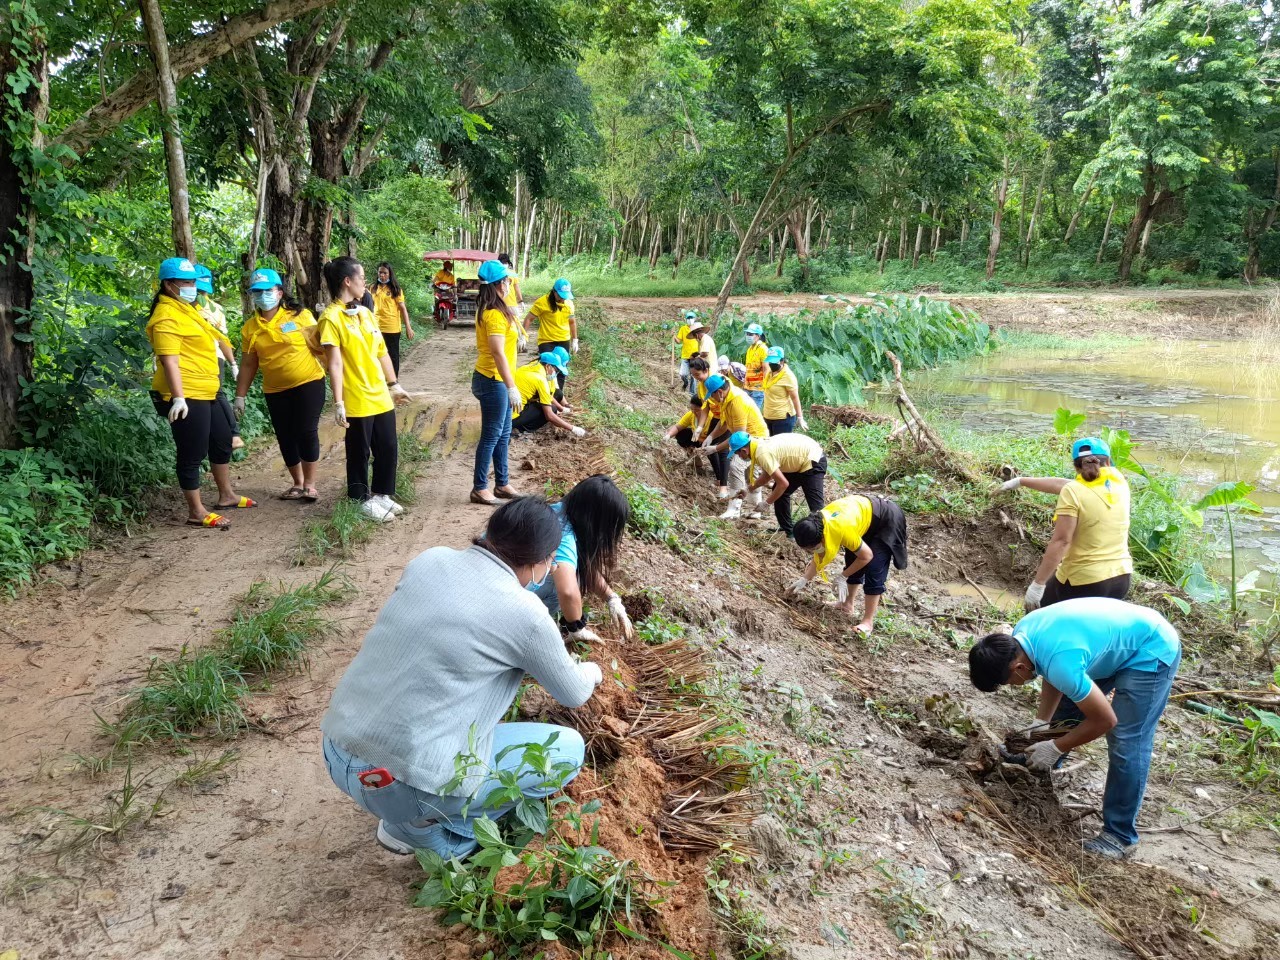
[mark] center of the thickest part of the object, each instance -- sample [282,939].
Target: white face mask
[352,310]
[187,294]
[537,584]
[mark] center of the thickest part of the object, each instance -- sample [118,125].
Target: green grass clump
[414,455]
[335,536]
[273,630]
[194,694]
[606,349]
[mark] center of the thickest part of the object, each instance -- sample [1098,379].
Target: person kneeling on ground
[412,733]
[683,429]
[872,531]
[1085,649]
[540,406]
[788,460]
[593,518]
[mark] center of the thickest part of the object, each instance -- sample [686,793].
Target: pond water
[1205,410]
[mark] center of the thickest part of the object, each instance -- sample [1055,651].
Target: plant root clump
[848,416]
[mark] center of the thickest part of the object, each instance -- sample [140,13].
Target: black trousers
[684,437]
[532,417]
[392,340]
[295,418]
[785,425]
[223,403]
[811,482]
[1117,588]
[203,432]
[547,347]
[719,461]
[374,435]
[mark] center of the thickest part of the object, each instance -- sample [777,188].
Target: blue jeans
[758,397]
[495,431]
[693,385]
[1140,698]
[785,425]
[407,812]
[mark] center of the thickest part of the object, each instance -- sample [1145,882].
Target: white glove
[523,342]
[592,670]
[573,347]
[1035,726]
[398,393]
[587,634]
[238,406]
[1008,485]
[797,585]
[1042,756]
[620,619]
[177,409]
[804,424]
[340,415]
[235,370]
[513,398]
[1035,593]
[578,432]
[842,589]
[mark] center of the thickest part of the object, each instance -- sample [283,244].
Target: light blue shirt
[566,553]
[1074,642]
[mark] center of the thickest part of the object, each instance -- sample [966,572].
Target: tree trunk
[937,231]
[1106,233]
[800,238]
[1253,262]
[1075,217]
[782,252]
[919,247]
[175,159]
[1035,209]
[1139,223]
[528,238]
[997,218]
[902,239]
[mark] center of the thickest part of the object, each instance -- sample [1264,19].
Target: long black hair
[522,532]
[393,286]
[553,299]
[598,512]
[488,298]
[338,270]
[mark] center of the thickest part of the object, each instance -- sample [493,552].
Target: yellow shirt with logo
[788,452]
[1100,547]
[494,323]
[358,339]
[531,381]
[386,309]
[687,347]
[177,329]
[844,523]
[756,367]
[777,401]
[283,355]
[553,325]
[739,412]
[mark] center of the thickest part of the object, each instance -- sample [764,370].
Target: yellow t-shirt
[512,297]
[494,323]
[358,339]
[788,452]
[777,401]
[386,309]
[553,325]
[283,356]
[756,367]
[531,381]
[177,329]
[687,422]
[844,523]
[1100,547]
[711,406]
[688,348]
[443,276]
[739,412]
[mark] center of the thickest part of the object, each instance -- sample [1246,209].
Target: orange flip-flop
[244,503]
[214,521]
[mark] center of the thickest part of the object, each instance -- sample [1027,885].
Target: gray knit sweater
[446,654]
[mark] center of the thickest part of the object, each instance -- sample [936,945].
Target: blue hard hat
[756,329]
[562,354]
[715,382]
[177,268]
[562,288]
[552,360]
[1090,447]
[491,271]
[775,355]
[204,279]
[264,278]
[738,440]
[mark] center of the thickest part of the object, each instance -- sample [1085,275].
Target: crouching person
[1084,650]
[683,430]
[440,668]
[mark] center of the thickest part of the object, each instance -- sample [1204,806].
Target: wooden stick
[1191,823]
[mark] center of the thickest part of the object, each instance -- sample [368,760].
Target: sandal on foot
[487,501]
[310,497]
[214,521]
[293,493]
[244,503]
[504,495]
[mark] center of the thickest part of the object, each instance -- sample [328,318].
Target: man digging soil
[1084,650]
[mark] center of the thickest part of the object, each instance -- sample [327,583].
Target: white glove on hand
[573,347]
[578,432]
[592,672]
[587,634]
[340,415]
[513,398]
[1008,485]
[1042,756]
[842,589]
[804,424]
[399,394]
[1035,593]
[1035,726]
[238,406]
[797,585]
[522,343]
[620,619]
[235,370]
[177,409]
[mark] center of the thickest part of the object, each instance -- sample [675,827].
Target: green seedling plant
[273,630]
[656,629]
[1229,497]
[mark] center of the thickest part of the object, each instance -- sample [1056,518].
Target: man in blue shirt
[1083,650]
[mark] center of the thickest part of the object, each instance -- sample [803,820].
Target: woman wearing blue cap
[756,363]
[781,406]
[1088,555]
[537,396]
[212,311]
[185,391]
[274,340]
[557,326]
[493,383]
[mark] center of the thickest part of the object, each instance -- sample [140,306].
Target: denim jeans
[785,425]
[758,397]
[407,812]
[495,431]
[1140,698]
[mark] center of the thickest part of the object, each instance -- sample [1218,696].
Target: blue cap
[1090,447]
[738,440]
[562,354]
[204,279]
[691,315]
[491,271]
[551,360]
[775,355]
[562,289]
[177,268]
[715,382]
[264,278]
[756,329]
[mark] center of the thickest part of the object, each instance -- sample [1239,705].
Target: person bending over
[682,430]
[788,461]
[537,396]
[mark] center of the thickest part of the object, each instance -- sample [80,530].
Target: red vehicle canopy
[464,256]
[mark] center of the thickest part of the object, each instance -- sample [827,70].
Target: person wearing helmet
[274,340]
[757,351]
[390,312]
[781,406]
[738,412]
[788,461]
[212,311]
[557,325]
[688,349]
[534,380]
[1088,555]
[493,383]
[704,343]
[185,389]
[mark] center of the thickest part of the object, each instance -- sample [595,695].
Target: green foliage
[333,537]
[1066,423]
[274,630]
[197,693]
[45,514]
[656,629]
[651,518]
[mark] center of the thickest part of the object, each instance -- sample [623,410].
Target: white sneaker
[388,842]
[374,510]
[389,504]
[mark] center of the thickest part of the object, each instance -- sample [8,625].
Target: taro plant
[1231,496]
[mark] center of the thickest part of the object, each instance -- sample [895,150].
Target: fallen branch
[1179,828]
[923,434]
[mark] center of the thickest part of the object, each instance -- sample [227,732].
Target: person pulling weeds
[788,461]
[737,413]
[1083,650]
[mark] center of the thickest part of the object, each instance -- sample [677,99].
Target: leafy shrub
[45,514]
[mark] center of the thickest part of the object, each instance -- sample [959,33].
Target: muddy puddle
[1205,410]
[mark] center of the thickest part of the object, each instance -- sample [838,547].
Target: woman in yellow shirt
[273,341]
[557,326]
[872,531]
[185,389]
[688,349]
[683,430]
[391,313]
[738,412]
[1088,555]
[781,395]
[757,352]
[493,383]
[365,390]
